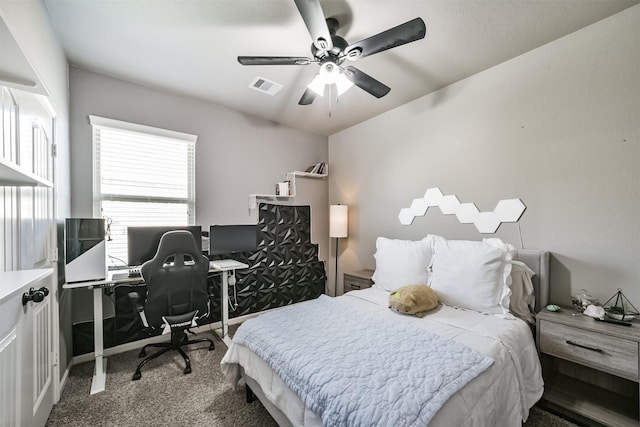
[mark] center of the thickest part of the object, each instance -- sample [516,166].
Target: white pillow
[522,299]
[473,275]
[402,262]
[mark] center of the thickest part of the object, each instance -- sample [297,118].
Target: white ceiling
[190,47]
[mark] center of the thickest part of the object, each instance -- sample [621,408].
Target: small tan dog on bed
[413,299]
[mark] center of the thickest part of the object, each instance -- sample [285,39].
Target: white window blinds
[142,176]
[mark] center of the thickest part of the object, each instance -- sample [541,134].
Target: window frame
[98,123]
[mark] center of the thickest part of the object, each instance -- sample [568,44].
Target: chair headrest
[177,241]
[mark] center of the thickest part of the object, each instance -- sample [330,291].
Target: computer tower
[85,250]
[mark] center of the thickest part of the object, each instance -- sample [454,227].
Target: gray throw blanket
[353,368]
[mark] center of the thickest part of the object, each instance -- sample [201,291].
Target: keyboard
[120,276]
[130,273]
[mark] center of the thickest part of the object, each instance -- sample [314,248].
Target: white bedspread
[381,372]
[502,395]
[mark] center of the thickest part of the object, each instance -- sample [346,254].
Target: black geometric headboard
[284,269]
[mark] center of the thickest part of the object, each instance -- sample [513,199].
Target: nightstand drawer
[615,355]
[358,280]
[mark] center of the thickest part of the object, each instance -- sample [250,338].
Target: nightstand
[590,367]
[360,279]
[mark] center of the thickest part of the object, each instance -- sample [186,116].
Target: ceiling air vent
[265,86]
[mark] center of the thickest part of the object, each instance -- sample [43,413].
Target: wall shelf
[291,177]
[12,175]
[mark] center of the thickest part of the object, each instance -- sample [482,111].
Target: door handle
[35,295]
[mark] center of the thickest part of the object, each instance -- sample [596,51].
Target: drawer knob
[35,295]
[598,350]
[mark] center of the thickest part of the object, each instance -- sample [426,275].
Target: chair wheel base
[187,370]
[136,376]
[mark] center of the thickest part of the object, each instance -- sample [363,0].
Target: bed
[488,371]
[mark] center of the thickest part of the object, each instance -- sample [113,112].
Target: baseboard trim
[65,377]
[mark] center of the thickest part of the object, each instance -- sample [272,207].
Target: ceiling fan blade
[405,33]
[314,19]
[366,82]
[307,97]
[273,60]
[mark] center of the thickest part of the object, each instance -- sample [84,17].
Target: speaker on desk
[85,250]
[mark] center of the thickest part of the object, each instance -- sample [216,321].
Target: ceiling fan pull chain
[330,99]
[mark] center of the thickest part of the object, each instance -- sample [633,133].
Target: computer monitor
[142,242]
[227,239]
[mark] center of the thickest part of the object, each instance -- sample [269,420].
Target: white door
[37,369]
[25,359]
[28,333]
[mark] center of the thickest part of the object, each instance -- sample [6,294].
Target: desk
[225,266]
[100,371]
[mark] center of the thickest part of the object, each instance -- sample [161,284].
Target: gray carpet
[164,396]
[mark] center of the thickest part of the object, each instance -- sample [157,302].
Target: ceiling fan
[330,51]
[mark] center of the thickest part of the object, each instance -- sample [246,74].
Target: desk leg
[225,308]
[100,372]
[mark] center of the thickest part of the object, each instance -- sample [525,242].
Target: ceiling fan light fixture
[317,85]
[329,72]
[343,84]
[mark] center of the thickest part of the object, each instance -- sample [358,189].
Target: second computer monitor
[227,239]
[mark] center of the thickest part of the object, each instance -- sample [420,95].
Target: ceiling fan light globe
[343,84]
[317,85]
[329,72]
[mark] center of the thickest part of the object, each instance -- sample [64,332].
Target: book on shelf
[283,188]
[318,168]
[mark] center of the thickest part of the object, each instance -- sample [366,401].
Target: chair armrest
[139,307]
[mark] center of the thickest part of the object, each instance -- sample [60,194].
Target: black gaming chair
[176,296]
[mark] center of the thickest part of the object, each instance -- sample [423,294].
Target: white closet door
[25,357]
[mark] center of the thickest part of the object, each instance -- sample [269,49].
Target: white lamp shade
[338,221]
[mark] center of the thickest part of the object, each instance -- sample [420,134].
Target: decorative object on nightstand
[582,299]
[590,367]
[338,228]
[355,280]
[620,308]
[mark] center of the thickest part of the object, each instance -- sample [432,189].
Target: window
[142,176]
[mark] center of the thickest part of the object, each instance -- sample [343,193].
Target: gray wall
[236,154]
[558,127]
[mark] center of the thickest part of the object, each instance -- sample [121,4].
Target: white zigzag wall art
[509,210]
